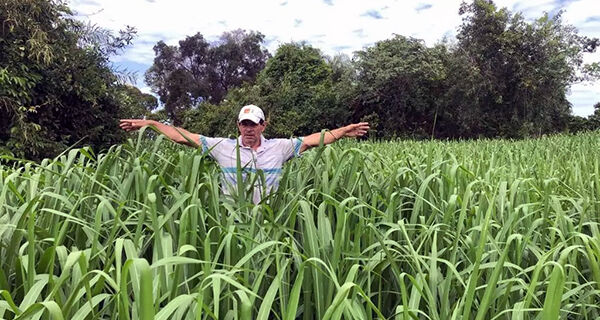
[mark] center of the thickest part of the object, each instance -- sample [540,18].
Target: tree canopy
[503,76]
[523,70]
[197,70]
[56,84]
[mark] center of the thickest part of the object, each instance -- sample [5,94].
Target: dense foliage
[197,71]
[503,77]
[523,70]
[56,86]
[296,91]
[484,229]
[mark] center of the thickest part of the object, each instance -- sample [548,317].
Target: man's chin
[248,142]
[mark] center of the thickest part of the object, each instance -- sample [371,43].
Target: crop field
[487,229]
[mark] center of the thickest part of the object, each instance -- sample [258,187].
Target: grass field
[400,230]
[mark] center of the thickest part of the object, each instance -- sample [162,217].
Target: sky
[333,26]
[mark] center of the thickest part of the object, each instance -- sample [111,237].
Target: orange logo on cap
[247,110]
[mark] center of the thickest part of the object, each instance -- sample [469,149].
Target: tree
[135,103]
[594,119]
[296,91]
[212,120]
[579,124]
[238,57]
[398,83]
[56,86]
[522,70]
[198,71]
[345,89]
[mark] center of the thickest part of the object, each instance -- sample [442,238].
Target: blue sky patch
[331,26]
[423,6]
[373,14]
[593,19]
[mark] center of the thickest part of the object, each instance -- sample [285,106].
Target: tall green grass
[399,230]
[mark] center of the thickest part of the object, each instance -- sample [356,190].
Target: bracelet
[331,133]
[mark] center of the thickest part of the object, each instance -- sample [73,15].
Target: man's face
[250,132]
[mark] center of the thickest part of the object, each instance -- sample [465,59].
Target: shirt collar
[260,148]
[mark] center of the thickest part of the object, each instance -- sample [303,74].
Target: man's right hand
[178,135]
[133,124]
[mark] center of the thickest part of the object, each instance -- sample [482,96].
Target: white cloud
[583,96]
[331,26]
[532,9]
[146,89]
[579,11]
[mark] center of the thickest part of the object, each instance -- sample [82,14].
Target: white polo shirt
[268,158]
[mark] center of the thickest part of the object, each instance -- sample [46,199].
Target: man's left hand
[356,129]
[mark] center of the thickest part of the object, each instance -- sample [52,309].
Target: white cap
[252,113]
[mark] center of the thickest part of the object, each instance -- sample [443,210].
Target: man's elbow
[186,140]
[180,140]
[189,142]
[303,147]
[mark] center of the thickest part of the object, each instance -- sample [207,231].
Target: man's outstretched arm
[178,135]
[351,130]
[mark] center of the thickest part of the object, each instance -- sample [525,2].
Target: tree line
[57,86]
[502,76]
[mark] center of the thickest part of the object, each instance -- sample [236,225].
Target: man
[256,152]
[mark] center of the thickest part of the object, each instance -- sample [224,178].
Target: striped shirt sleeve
[289,147]
[210,144]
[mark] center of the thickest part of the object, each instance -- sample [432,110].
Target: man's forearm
[178,135]
[314,139]
[351,130]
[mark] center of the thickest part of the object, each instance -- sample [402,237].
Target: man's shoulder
[283,144]
[287,147]
[218,139]
[276,142]
[217,143]
[279,140]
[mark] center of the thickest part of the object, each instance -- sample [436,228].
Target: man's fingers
[130,121]
[361,125]
[357,129]
[129,124]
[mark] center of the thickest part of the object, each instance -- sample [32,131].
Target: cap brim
[250,117]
